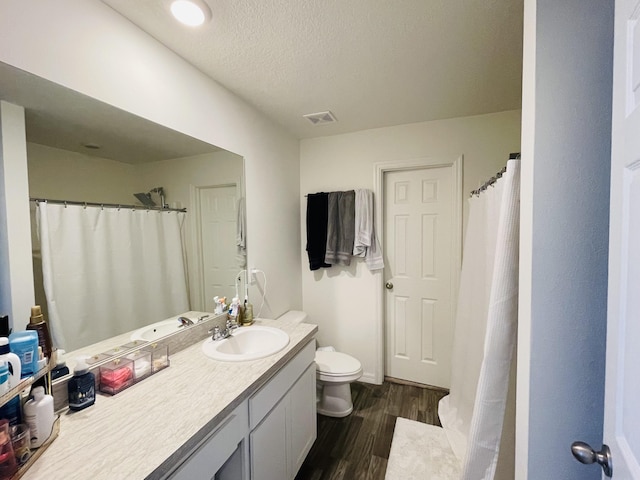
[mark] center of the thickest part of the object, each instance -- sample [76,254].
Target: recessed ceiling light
[190,12]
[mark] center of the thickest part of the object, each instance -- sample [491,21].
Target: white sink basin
[247,343]
[157,330]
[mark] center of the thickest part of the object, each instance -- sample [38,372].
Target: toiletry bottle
[82,386]
[4,377]
[12,411]
[8,464]
[248,312]
[38,324]
[61,369]
[233,309]
[13,362]
[5,330]
[240,314]
[38,413]
[25,345]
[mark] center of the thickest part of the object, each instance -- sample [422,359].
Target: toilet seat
[337,364]
[334,373]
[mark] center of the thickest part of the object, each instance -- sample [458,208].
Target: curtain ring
[65,204]
[85,205]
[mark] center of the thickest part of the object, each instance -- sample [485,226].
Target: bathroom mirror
[82,150]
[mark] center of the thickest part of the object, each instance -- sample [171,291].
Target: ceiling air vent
[320,118]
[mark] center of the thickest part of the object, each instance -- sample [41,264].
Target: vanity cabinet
[267,436]
[282,416]
[222,454]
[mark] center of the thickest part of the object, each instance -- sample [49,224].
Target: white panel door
[622,386]
[419,238]
[218,217]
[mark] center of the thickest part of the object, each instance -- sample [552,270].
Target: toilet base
[335,400]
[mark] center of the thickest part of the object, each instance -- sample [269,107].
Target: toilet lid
[336,363]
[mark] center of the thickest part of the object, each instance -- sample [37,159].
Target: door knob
[389,285]
[585,454]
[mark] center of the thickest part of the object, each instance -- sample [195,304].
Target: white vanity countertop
[131,434]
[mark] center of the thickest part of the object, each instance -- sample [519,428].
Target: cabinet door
[302,421]
[225,442]
[269,446]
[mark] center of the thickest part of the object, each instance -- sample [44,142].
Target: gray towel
[341,224]
[366,243]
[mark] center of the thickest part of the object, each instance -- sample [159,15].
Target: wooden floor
[357,447]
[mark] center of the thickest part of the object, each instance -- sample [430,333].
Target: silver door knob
[389,285]
[585,454]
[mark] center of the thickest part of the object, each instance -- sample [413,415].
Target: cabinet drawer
[216,448]
[265,399]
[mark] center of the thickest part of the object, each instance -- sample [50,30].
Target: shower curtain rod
[495,178]
[106,205]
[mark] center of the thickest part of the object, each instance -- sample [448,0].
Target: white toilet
[334,372]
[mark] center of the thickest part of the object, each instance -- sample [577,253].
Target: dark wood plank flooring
[357,447]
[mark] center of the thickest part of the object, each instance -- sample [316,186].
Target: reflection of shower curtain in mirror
[108,271]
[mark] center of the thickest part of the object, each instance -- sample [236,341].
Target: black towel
[317,208]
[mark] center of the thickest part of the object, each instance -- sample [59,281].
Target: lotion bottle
[39,416]
[13,362]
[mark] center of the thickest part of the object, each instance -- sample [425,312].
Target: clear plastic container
[141,364]
[116,375]
[159,357]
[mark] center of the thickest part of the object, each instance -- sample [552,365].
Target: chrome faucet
[222,333]
[185,322]
[231,325]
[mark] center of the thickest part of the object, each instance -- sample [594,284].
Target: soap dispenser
[82,386]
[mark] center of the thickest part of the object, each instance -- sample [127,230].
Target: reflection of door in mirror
[217,215]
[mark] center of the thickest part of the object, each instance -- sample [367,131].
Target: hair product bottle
[37,323]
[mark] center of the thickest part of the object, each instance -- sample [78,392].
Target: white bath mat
[421,452]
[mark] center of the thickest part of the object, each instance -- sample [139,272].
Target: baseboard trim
[414,384]
[369,378]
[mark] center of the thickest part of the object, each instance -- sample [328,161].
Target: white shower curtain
[485,333]
[108,271]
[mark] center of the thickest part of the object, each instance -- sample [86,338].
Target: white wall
[564,234]
[63,175]
[16,276]
[341,299]
[88,47]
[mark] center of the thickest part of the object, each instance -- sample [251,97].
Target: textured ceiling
[373,63]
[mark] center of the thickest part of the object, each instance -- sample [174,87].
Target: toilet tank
[293,316]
